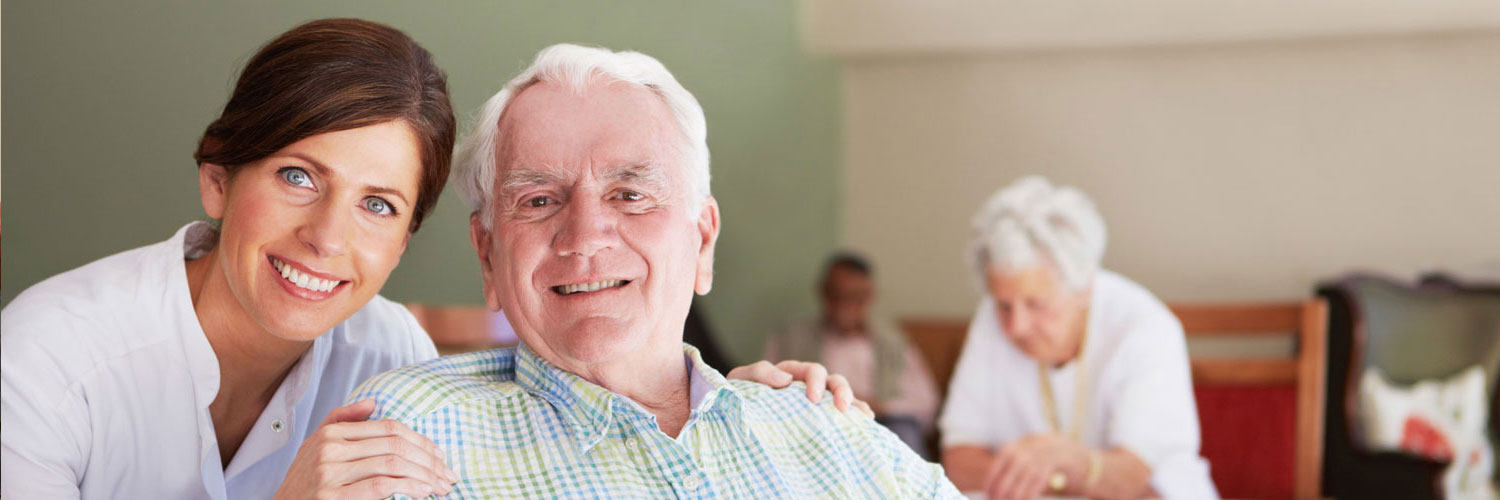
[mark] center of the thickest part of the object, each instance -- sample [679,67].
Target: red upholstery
[1249,438]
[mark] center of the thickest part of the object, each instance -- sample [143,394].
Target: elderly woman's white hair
[576,66]
[1030,219]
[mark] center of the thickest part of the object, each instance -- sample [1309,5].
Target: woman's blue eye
[296,176]
[378,206]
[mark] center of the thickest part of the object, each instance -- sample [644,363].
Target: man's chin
[598,345]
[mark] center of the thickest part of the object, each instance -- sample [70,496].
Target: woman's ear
[213,188]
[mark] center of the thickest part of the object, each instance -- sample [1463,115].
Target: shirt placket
[670,459]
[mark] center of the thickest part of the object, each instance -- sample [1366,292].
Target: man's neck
[830,326]
[654,378]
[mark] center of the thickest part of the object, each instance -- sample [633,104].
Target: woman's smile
[304,283]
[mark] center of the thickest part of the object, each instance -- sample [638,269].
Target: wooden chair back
[1233,381]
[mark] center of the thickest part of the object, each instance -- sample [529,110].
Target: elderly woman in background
[1074,380]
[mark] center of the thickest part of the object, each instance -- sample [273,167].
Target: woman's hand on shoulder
[348,457]
[814,375]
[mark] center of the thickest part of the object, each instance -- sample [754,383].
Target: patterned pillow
[1443,420]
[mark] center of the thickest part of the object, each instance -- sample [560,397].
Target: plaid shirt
[513,425]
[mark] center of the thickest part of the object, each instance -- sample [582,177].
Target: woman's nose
[327,230]
[1017,322]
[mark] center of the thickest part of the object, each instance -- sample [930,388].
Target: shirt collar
[588,409]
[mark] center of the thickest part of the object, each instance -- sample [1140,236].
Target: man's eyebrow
[325,172]
[522,178]
[650,175]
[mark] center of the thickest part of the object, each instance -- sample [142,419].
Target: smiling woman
[214,364]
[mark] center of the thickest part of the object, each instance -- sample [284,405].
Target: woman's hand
[351,458]
[1022,469]
[814,375]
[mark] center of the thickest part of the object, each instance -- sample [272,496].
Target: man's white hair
[1030,219]
[576,67]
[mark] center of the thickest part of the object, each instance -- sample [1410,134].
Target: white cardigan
[108,376]
[1140,391]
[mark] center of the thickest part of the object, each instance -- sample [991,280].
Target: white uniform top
[108,376]
[1139,388]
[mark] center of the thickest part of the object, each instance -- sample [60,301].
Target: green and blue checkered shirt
[513,425]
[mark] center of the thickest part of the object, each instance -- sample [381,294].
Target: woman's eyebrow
[390,191]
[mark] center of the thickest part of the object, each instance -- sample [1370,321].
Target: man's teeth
[589,287]
[303,280]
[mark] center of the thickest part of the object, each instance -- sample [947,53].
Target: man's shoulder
[765,405]
[845,445]
[414,391]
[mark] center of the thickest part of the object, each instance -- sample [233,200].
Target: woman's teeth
[588,287]
[303,280]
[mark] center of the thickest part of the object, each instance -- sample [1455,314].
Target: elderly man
[849,338]
[588,177]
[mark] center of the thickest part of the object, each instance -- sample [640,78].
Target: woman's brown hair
[331,75]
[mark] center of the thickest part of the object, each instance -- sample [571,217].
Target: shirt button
[277,425]
[630,443]
[692,482]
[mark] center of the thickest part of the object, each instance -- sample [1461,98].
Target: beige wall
[1224,172]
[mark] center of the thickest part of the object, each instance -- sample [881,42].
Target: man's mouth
[303,280]
[589,287]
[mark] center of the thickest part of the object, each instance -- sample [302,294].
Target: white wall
[1224,172]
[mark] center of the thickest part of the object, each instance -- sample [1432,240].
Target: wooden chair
[1243,403]
[939,340]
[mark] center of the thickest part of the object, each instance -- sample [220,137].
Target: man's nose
[588,226]
[327,229]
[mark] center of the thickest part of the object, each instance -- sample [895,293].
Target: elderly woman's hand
[1022,469]
[814,375]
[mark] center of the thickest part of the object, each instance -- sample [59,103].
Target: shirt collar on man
[589,409]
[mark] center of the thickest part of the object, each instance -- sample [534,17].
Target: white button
[692,482]
[630,443]
[277,425]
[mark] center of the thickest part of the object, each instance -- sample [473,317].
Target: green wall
[104,101]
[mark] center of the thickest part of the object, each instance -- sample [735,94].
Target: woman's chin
[292,328]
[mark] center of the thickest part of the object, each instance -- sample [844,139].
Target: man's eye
[295,176]
[631,196]
[378,206]
[538,202]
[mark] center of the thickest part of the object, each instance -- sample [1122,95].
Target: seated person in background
[1074,380]
[588,180]
[872,353]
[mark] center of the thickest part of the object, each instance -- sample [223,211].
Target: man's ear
[480,238]
[708,229]
[213,188]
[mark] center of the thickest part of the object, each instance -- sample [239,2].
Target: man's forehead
[612,128]
[603,104]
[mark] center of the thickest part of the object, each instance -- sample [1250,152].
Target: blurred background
[1237,150]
